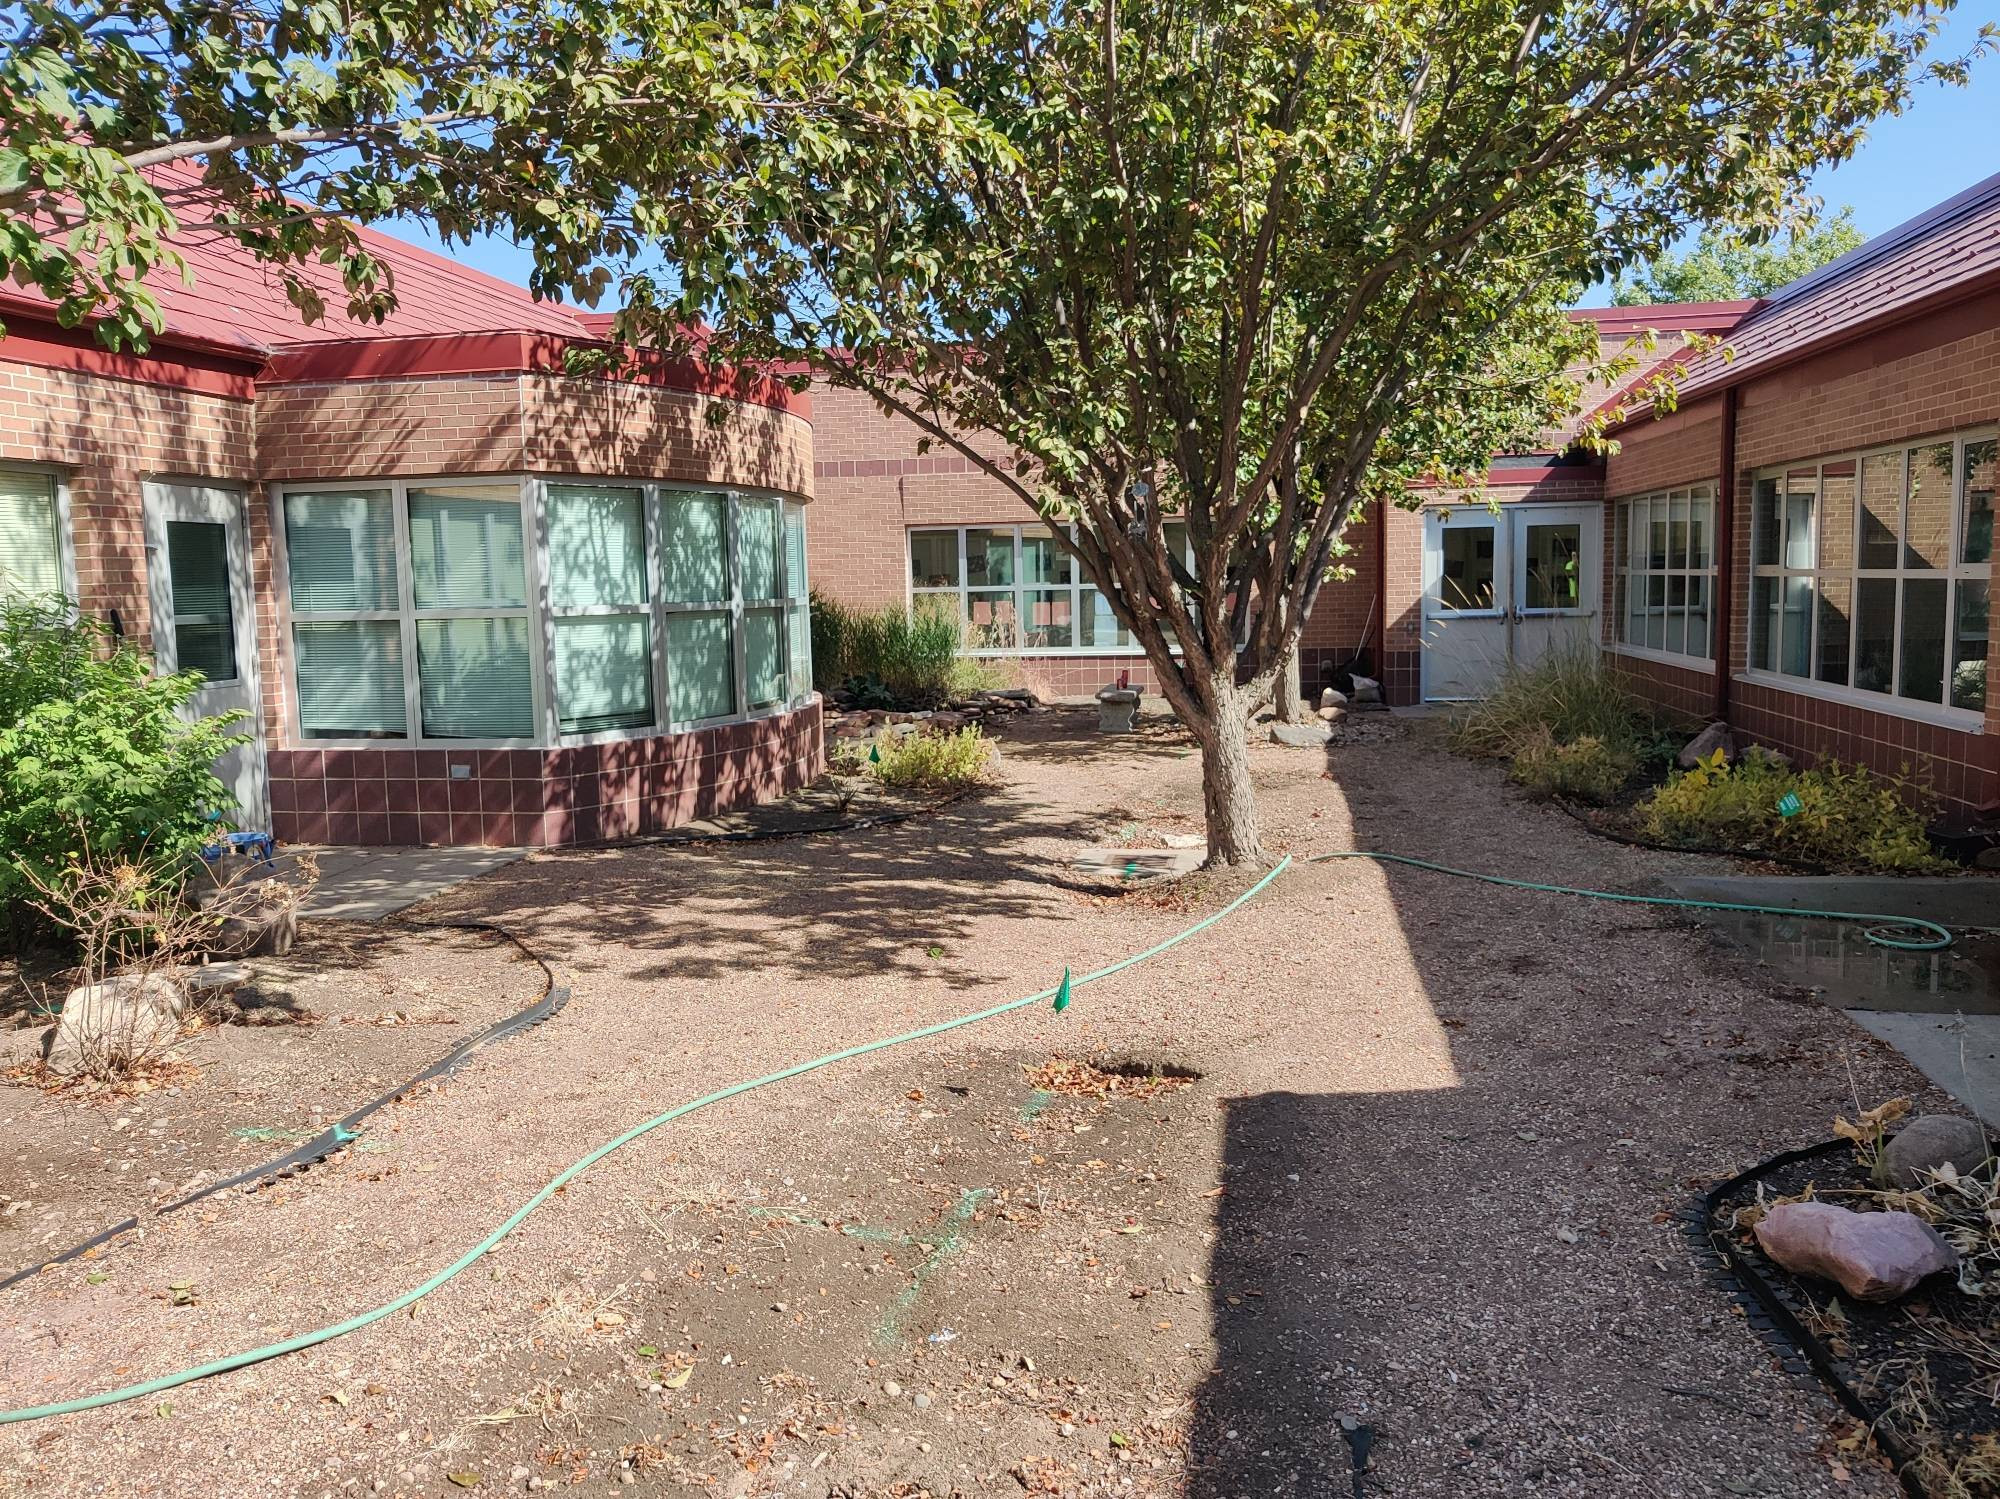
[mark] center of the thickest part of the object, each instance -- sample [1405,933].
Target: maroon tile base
[539,798]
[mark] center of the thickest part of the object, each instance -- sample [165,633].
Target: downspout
[1724,542]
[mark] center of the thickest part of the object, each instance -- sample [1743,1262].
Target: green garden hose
[570,1173]
[1925,936]
[1903,933]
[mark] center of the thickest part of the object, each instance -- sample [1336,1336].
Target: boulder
[1330,697]
[265,930]
[1301,735]
[1331,715]
[1870,1256]
[1715,737]
[105,1027]
[1928,1142]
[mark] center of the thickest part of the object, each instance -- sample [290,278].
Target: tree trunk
[1288,697]
[1229,803]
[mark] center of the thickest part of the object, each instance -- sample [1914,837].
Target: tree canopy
[1239,263]
[128,129]
[1250,262]
[1723,265]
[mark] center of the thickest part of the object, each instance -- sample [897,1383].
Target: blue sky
[1949,139]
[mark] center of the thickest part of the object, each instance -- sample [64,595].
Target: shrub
[1568,695]
[1587,769]
[1846,817]
[96,759]
[894,656]
[934,762]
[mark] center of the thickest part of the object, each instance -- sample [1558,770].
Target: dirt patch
[352,1010]
[1420,1189]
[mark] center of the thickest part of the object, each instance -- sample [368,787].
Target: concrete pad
[366,884]
[1956,900]
[1960,1053]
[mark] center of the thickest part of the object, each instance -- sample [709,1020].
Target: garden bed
[1921,1373]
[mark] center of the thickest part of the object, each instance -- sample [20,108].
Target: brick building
[1803,548]
[464,596]
[461,596]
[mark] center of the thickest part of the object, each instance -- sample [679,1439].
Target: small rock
[1715,737]
[1331,697]
[921,1401]
[1928,1142]
[1872,1256]
[1300,735]
[1067,1429]
[1330,715]
[891,1389]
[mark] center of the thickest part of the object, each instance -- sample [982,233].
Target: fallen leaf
[464,1480]
[338,1397]
[610,1319]
[678,1378]
[647,1350]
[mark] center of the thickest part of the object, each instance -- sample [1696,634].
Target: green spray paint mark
[1062,994]
[943,1247]
[1038,1101]
[853,1230]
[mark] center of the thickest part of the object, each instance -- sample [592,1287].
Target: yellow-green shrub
[1847,817]
[933,762]
[1587,769]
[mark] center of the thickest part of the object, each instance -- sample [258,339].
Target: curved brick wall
[540,798]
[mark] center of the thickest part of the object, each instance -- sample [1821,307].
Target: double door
[1505,587]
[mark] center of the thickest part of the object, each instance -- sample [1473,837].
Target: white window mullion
[406,599]
[654,496]
[541,601]
[733,529]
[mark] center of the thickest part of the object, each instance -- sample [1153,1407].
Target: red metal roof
[1665,317]
[1935,258]
[238,304]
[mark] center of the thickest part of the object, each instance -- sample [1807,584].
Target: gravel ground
[1410,1165]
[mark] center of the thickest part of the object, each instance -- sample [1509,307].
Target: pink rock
[1872,1256]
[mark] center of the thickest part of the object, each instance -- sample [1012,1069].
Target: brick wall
[460,424]
[645,431]
[112,435]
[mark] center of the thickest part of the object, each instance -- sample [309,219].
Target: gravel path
[1413,1172]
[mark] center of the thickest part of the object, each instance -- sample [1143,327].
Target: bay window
[1663,578]
[1017,590]
[417,610]
[1871,573]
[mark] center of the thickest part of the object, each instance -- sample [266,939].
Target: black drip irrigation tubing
[344,1131]
[554,996]
[1768,1312]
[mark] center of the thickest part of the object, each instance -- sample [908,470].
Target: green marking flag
[874,754]
[1062,994]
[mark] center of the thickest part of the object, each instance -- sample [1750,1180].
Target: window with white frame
[415,617]
[1663,585]
[1018,590]
[1871,572]
[30,535]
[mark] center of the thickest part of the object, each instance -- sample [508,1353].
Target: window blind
[604,672]
[474,678]
[350,675]
[701,670]
[204,625]
[342,552]
[795,551]
[758,520]
[763,655]
[465,548]
[597,546]
[694,548]
[30,558]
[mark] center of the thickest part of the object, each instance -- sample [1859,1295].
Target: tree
[1724,266]
[129,128]
[1250,263]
